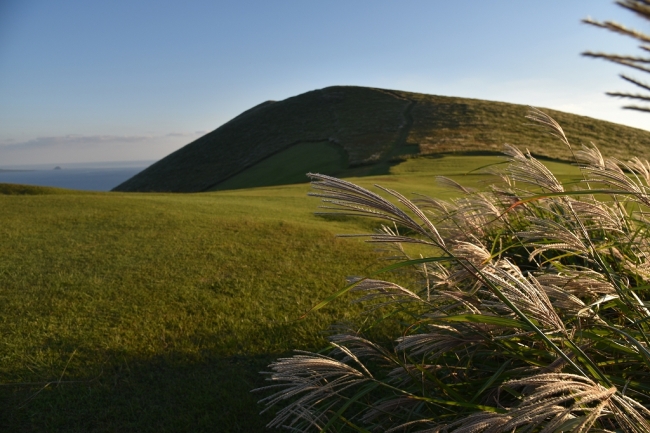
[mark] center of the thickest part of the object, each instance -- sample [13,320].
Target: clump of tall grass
[530,313]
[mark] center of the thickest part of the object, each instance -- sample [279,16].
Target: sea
[79,176]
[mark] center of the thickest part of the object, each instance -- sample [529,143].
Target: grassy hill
[356,131]
[155,312]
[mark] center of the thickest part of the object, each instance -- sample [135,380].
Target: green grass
[159,298]
[155,312]
[289,166]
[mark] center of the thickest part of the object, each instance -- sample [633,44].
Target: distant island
[357,131]
[57,168]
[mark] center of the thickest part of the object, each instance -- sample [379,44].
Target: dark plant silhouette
[640,63]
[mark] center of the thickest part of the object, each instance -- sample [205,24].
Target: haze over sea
[102,176]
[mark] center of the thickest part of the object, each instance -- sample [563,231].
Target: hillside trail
[400,146]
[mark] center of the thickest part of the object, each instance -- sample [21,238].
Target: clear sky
[135,80]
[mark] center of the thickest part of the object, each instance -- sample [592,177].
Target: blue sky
[135,80]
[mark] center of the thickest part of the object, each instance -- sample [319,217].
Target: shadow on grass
[157,395]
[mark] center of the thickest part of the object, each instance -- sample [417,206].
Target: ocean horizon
[85,177]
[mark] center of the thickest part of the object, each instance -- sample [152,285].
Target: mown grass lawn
[155,312]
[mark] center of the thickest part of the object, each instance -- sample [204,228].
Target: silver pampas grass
[528,313]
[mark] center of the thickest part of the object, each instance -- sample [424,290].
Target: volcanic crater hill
[353,131]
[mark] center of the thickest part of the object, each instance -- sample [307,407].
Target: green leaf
[606,341]
[492,379]
[642,349]
[484,318]
[445,402]
[587,362]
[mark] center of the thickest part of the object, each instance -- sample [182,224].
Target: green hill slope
[354,131]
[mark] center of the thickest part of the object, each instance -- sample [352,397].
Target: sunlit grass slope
[354,131]
[155,312]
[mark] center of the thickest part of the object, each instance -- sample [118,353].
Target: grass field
[155,312]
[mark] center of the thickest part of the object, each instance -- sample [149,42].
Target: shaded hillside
[346,130]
